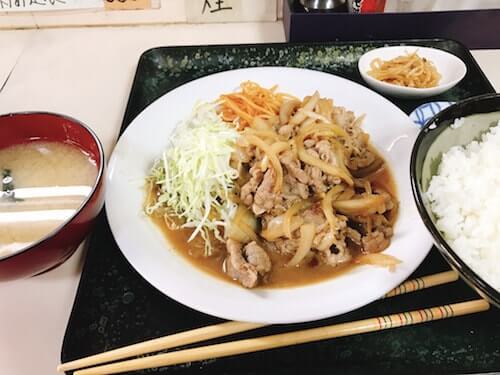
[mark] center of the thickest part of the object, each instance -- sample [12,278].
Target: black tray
[115,306]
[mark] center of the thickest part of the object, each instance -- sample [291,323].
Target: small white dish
[451,68]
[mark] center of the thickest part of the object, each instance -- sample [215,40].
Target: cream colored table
[87,73]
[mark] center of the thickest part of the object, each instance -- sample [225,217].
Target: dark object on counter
[474,28]
[323,4]
[57,246]
[7,191]
[115,306]
[366,6]
[421,172]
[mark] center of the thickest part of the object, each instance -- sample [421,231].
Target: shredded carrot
[234,107]
[253,105]
[253,100]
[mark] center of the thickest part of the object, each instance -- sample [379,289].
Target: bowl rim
[412,90]
[467,273]
[97,182]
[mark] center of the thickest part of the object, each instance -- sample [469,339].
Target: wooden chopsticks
[162,343]
[267,342]
[420,283]
[291,338]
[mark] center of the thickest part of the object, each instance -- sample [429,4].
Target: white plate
[451,68]
[146,249]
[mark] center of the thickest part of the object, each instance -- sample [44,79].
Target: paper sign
[48,5]
[126,4]
[198,11]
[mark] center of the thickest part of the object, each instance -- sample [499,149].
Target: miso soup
[42,184]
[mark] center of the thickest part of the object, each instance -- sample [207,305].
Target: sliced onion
[286,110]
[278,147]
[308,122]
[348,193]
[370,169]
[287,217]
[326,129]
[309,106]
[328,168]
[364,206]
[275,230]
[243,226]
[264,134]
[321,130]
[315,116]
[307,233]
[273,158]
[264,164]
[327,204]
[259,123]
[367,186]
[379,259]
[358,121]
[293,147]
[340,156]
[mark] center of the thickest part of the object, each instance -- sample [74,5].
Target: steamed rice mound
[465,197]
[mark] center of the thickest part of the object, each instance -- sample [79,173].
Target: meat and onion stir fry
[309,187]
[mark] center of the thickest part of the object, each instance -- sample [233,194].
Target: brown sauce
[280,275]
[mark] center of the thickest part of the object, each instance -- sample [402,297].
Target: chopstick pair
[266,342]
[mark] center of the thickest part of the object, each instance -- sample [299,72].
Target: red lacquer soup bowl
[60,243]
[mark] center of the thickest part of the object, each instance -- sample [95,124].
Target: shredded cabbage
[194,175]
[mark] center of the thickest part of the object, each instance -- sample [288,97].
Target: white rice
[465,199]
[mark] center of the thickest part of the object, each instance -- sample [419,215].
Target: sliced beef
[361,159]
[294,190]
[292,165]
[360,155]
[245,152]
[308,143]
[326,237]
[332,242]
[249,189]
[335,256]
[264,198]
[285,246]
[354,235]
[325,152]
[314,215]
[332,248]
[344,118]
[257,257]
[319,181]
[247,265]
[375,242]
[238,268]
[388,200]
[376,232]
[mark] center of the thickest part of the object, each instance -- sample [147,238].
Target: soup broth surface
[42,184]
